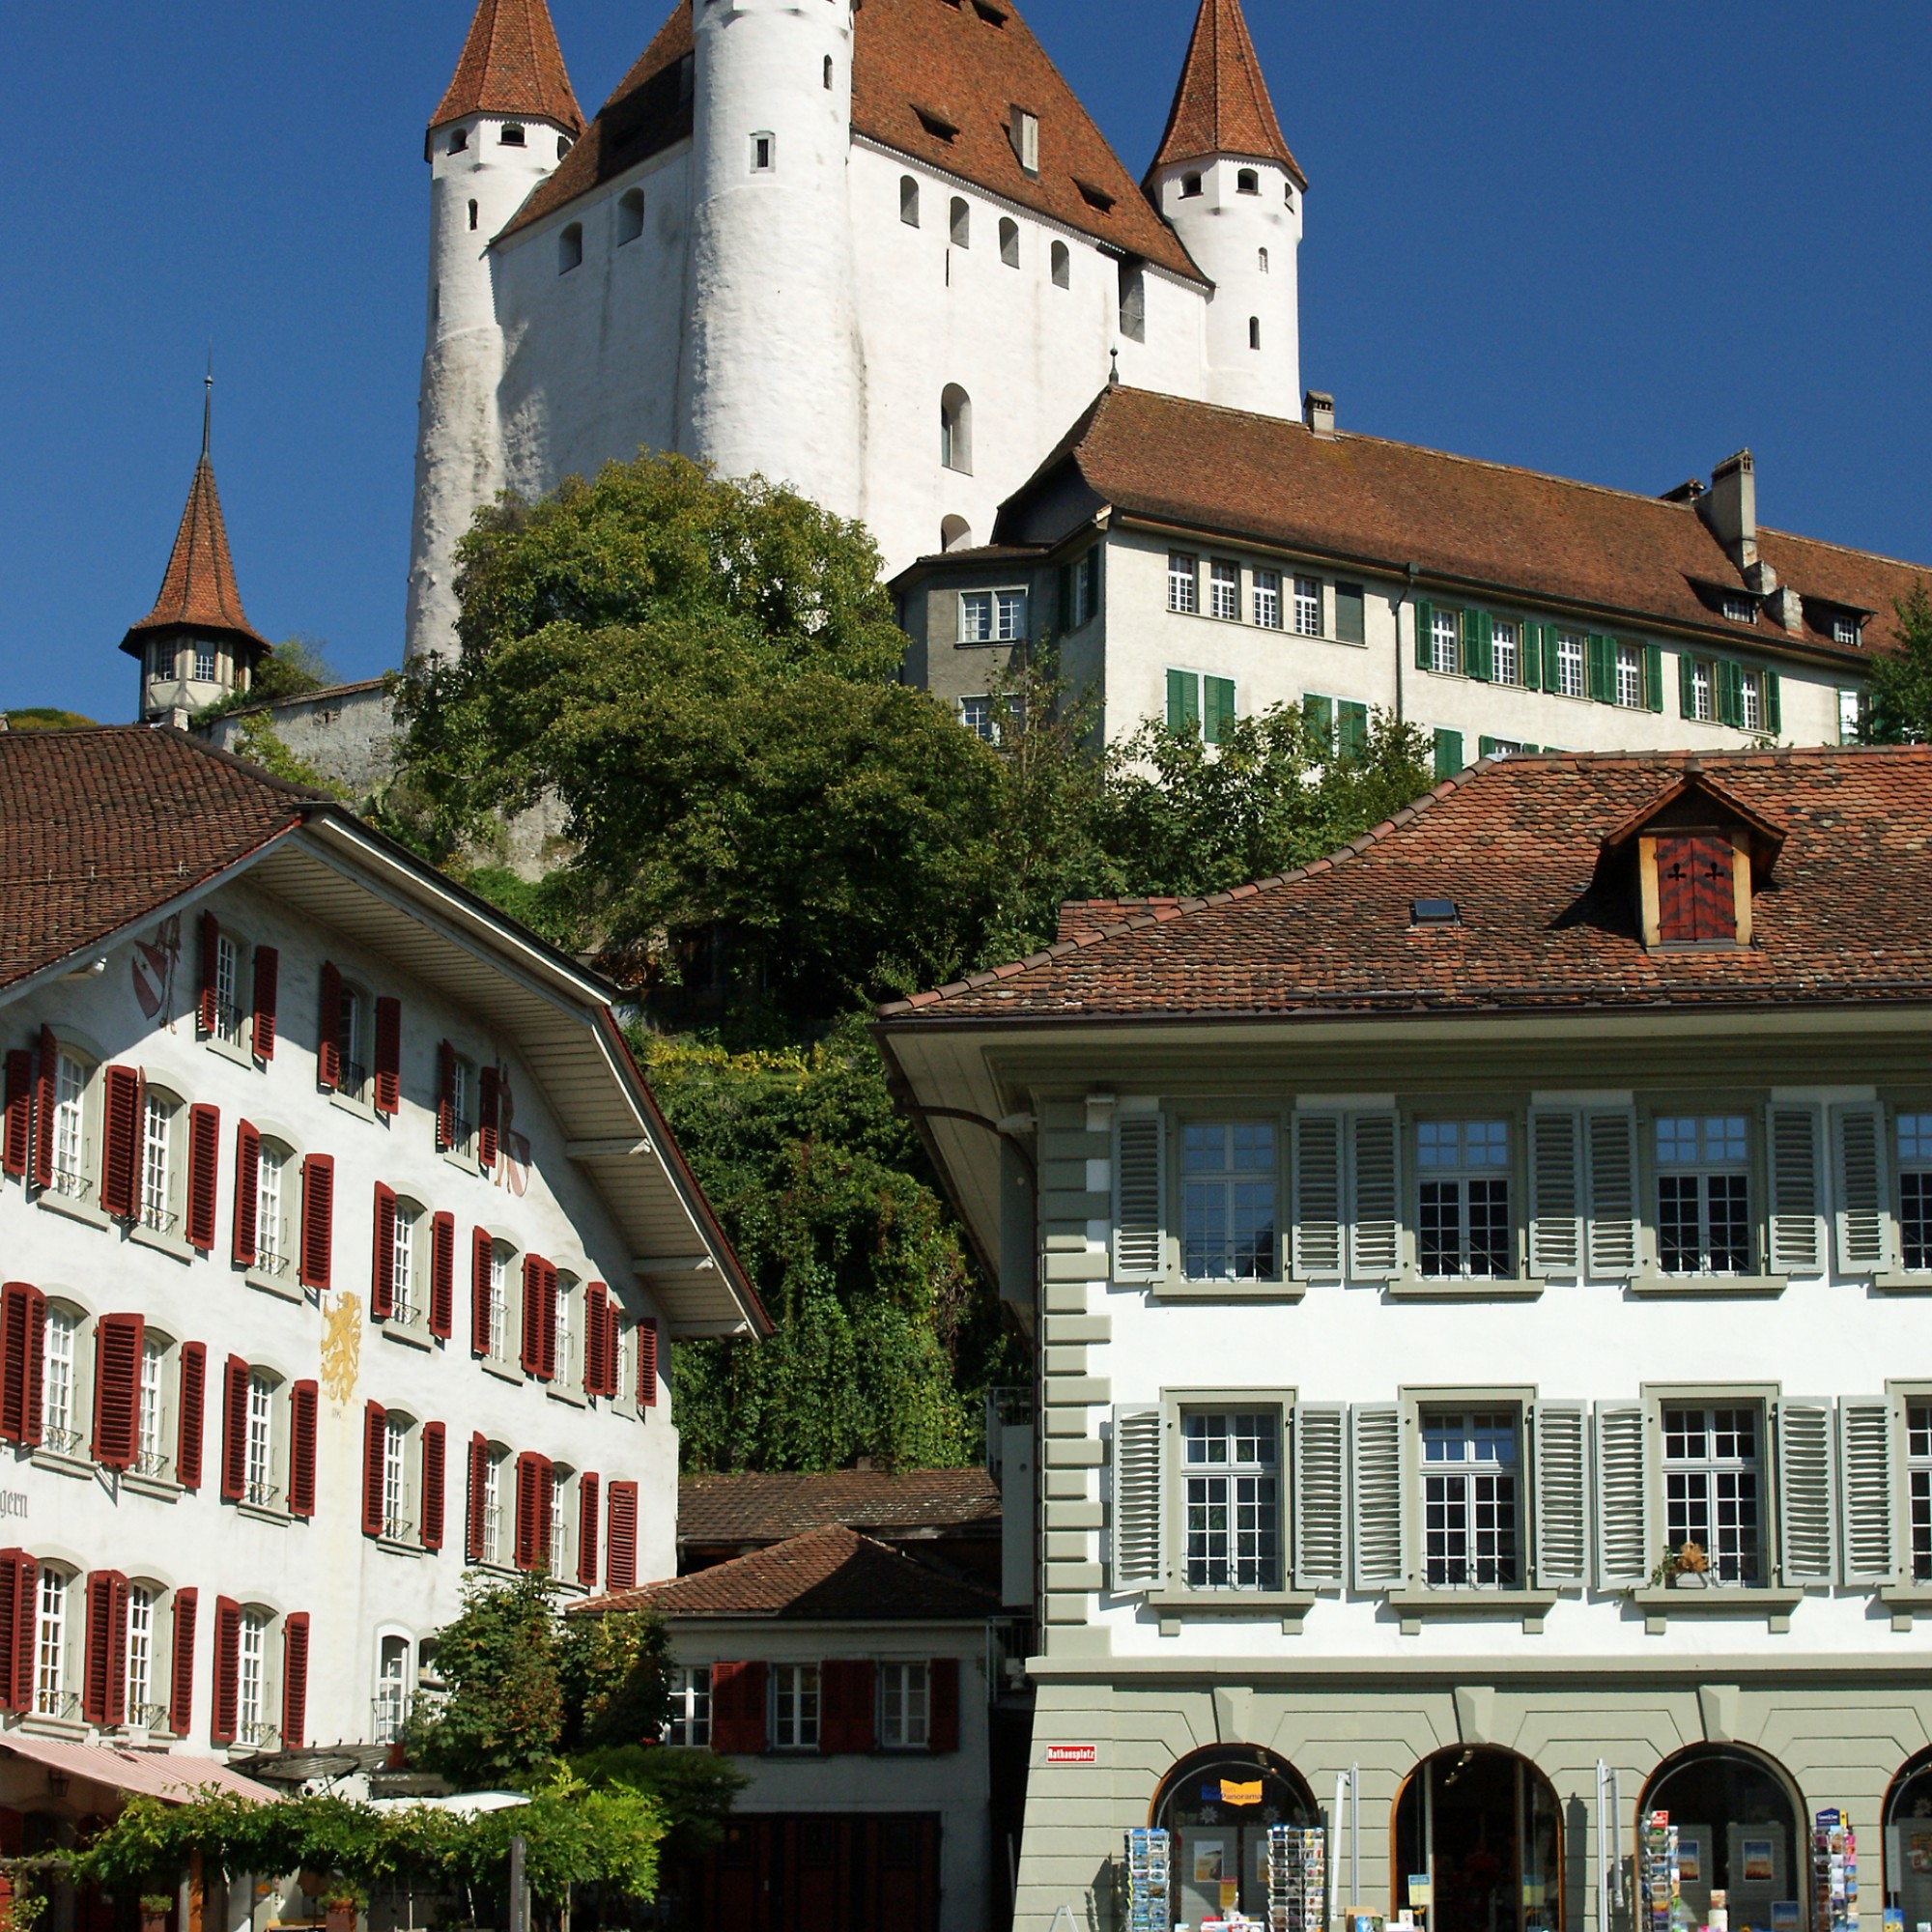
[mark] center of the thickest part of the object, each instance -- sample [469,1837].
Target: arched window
[909,201]
[956,429]
[1190,186]
[398,1523]
[955,534]
[630,215]
[828,74]
[1908,1839]
[472,216]
[1248,182]
[1062,265]
[1254,332]
[1739,1811]
[56,1652]
[1217,1806]
[1464,1818]
[1263,262]
[63,1409]
[1010,241]
[962,223]
[512,136]
[1133,301]
[569,248]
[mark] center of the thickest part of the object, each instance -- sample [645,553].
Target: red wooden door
[1694,888]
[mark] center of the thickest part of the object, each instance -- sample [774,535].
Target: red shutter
[383,1281]
[318,1227]
[19,1584]
[532,1349]
[445,1095]
[46,1074]
[620,1562]
[227,1670]
[596,1337]
[943,1690]
[211,949]
[121,1140]
[234,1430]
[442,1276]
[23,1327]
[105,1688]
[303,1401]
[248,1192]
[375,1439]
[204,1175]
[1694,894]
[614,1354]
[526,1509]
[547,1303]
[117,1388]
[546,1509]
[431,1486]
[328,1029]
[17,1146]
[193,1399]
[295,1681]
[479,1466]
[647,1364]
[267,972]
[388,1055]
[488,1104]
[738,1707]
[481,1249]
[587,1487]
[845,1705]
[181,1690]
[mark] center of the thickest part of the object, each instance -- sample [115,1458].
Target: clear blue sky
[1615,241]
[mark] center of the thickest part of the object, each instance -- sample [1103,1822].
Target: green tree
[292,668]
[501,1718]
[1901,681]
[693,1789]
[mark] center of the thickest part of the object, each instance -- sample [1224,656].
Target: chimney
[1317,412]
[1729,508]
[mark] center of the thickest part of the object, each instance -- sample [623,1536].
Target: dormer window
[1697,897]
[1740,610]
[1698,854]
[1025,131]
[512,136]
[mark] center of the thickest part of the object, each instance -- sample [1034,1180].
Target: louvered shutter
[294,1679]
[1561,1434]
[1374,1213]
[738,1708]
[1425,622]
[318,1232]
[1730,692]
[1653,678]
[1807,1527]
[1610,1140]
[475,1539]
[193,1412]
[375,1441]
[1552,658]
[1478,646]
[234,1430]
[647,1363]
[329,1029]
[204,1175]
[267,972]
[943,1702]
[104,1684]
[23,1329]
[184,1613]
[533,1323]
[1866,1465]
[211,953]
[546,1509]
[117,1389]
[1626,1541]
[1555,1195]
[19,1590]
[1321,1434]
[596,1305]
[1687,685]
[17,1145]
[389,1055]
[528,1544]
[588,1492]
[303,1411]
[1139,1550]
[481,1252]
[120,1141]
[612,1350]
[1530,653]
[1318,1197]
[488,1104]
[1140,1196]
[46,1076]
[847,1692]
[1773,704]
[445,1095]
[1376,1480]
[227,1671]
[430,1529]
[383,1257]
[620,1560]
[547,1306]
[1600,659]
[247,1193]
[1792,1142]
[442,1275]
[1863,1225]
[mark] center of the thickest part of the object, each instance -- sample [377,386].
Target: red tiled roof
[1078,915]
[827,1576]
[1845,913]
[511,64]
[766,1507]
[1489,525]
[965,67]
[1222,104]
[198,589]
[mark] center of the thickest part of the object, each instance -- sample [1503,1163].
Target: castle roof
[198,592]
[511,64]
[1222,104]
[931,79]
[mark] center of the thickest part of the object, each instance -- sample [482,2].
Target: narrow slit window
[961,229]
[1254,332]
[764,151]
[569,248]
[909,201]
[1010,241]
[1062,265]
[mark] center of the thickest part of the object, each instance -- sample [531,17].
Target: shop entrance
[1216,1808]
[1737,1833]
[1908,1841]
[1480,1829]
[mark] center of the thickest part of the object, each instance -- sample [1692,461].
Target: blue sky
[1615,241]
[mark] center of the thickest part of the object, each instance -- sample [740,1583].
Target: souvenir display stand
[1146,1875]
[1298,1878]
[1835,1873]
[1658,1876]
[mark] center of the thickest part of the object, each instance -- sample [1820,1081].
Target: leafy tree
[501,1718]
[693,1790]
[1901,682]
[258,741]
[292,668]
[44,717]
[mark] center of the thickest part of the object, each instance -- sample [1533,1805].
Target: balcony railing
[260,1734]
[151,1462]
[60,1441]
[228,1022]
[354,1077]
[71,1184]
[162,1220]
[264,1496]
[398,1529]
[269,1262]
[147,1716]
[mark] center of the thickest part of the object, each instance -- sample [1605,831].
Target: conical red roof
[1222,106]
[511,65]
[199,592]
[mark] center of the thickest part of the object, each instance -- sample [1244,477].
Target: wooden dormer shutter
[1694,891]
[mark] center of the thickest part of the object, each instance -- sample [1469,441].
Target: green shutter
[1487,747]
[1353,734]
[1425,618]
[1601,678]
[1478,656]
[1218,711]
[1773,704]
[1183,700]
[1653,677]
[1730,691]
[1318,718]
[1448,754]
[1687,685]
[1552,668]
[1529,654]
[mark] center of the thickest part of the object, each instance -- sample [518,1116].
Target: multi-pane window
[392,1688]
[251,1678]
[395,1478]
[1462,1224]
[1268,599]
[227,980]
[1228,1202]
[204,663]
[1630,676]
[1853,708]
[1703,1194]
[1741,610]
[50,1646]
[157,1182]
[403,1250]
[1506,651]
[560,1533]
[1224,590]
[349,1040]
[1699,695]
[270,1169]
[1713,1488]
[1569,681]
[1182,582]
[794,1707]
[992,616]
[566,1300]
[259,1438]
[462,1115]
[1915,1190]
[1751,696]
[1471,1499]
[689,1719]
[57,1427]
[499,1304]
[1445,651]
[140,1652]
[493,1506]
[1919,1486]
[1308,605]
[977,717]
[150,1458]
[69,1102]
[1232,1477]
[904,1707]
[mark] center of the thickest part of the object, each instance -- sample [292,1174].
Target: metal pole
[1603,1849]
[1354,1838]
[1335,1849]
[520,1898]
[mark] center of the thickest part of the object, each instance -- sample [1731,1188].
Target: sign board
[1072,1754]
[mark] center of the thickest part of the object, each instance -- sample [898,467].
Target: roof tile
[511,64]
[198,589]
[763,1506]
[1222,104]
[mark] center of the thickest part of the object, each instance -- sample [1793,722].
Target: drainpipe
[1413,570]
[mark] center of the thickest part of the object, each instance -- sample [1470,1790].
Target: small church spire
[1222,104]
[512,64]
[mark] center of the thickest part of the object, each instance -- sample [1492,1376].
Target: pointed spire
[1222,106]
[511,65]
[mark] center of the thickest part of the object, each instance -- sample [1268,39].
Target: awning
[150,1773]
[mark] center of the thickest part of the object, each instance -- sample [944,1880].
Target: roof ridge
[1843,549]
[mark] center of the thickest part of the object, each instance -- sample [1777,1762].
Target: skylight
[1434,911]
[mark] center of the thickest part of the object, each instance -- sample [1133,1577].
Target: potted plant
[1688,1567]
[340,1909]
[154,1908]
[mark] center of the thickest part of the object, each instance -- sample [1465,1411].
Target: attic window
[1740,610]
[1697,894]
[512,136]
[1024,132]
[459,139]
[1434,911]
[940,129]
[993,17]
[1095,197]
[1846,629]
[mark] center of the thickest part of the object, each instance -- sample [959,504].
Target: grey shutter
[1611,1142]
[1374,1220]
[1858,1138]
[1806,1515]
[1869,1517]
[1627,1541]
[1321,1495]
[1562,1451]
[1375,1442]
[1138,1550]
[1140,1196]
[1556,1194]
[1318,1197]
[1792,1136]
